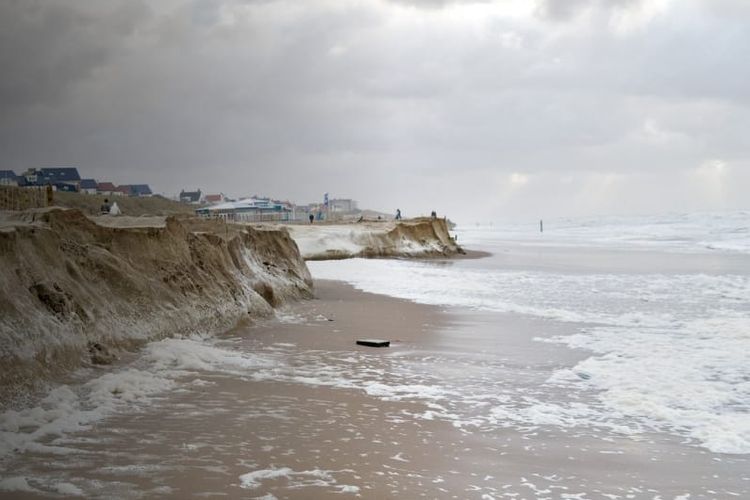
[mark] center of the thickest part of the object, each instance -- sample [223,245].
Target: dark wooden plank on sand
[374,342]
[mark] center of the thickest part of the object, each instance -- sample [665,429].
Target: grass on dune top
[154,205]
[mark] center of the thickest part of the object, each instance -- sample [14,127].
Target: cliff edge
[76,289]
[421,237]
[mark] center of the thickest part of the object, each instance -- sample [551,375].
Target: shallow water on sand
[292,408]
[664,335]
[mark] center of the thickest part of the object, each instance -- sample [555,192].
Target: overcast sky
[477,109]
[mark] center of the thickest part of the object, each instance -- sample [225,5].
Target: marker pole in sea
[541,226]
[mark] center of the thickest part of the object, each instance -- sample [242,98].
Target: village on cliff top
[247,209]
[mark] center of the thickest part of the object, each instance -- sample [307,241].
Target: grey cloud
[435,4]
[47,47]
[561,10]
[294,99]
[564,10]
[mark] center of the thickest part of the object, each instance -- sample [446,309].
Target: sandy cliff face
[423,237]
[73,290]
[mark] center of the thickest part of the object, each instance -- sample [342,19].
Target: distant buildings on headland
[252,208]
[68,179]
[257,208]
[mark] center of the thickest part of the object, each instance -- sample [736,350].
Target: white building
[249,210]
[342,205]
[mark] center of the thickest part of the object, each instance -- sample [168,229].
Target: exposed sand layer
[422,237]
[75,289]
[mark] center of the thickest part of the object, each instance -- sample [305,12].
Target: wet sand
[328,418]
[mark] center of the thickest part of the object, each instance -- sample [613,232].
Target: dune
[78,289]
[421,237]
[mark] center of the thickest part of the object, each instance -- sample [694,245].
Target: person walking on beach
[312,218]
[105,207]
[398,214]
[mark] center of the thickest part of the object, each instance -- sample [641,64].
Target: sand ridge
[419,237]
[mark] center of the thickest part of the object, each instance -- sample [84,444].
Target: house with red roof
[214,198]
[106,188]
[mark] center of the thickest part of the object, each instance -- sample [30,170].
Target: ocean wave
[668,351]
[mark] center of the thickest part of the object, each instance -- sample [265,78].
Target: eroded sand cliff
[76,289]
[421,237]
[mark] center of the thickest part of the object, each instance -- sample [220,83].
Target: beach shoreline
[314,415]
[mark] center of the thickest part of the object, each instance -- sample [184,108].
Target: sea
[660,307]
[603,357]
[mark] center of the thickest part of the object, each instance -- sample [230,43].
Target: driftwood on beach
[374,342]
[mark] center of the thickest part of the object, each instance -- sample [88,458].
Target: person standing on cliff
[398,214]
[105,207]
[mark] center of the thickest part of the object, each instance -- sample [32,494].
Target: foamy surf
[296,479]
[269,414]
[669,349]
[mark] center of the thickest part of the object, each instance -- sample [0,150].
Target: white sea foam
[697,382]
[17,483]
[70,408]
[68,489]
[288,317]
[199,354]
[294,479]
[400,391]
[254,479]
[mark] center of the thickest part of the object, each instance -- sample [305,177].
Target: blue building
[63,178]
[87,186]
[140,190]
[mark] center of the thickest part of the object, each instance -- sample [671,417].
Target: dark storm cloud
[473,100]
[45,47]
[563,10]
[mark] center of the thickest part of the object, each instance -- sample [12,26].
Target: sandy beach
[305,413]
